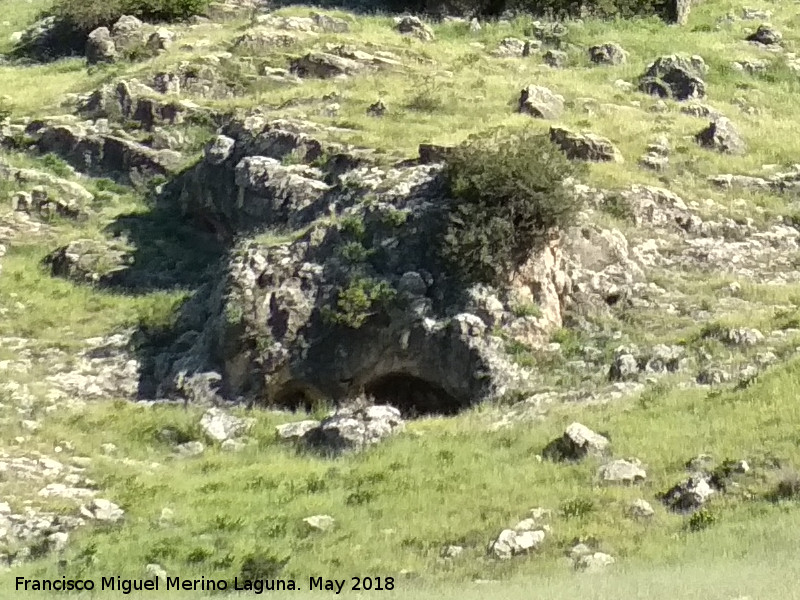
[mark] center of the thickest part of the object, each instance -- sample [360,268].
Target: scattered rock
[414,26]
[585,146]
[218,425]
[155,572]
[540,102]
[355,428]
[512,543]
[641,509]
[189,449]
[608,54]
[451,552]
[675,76]
[577,442]
[296,431]
[320,522]
[556,59]
[595,562]
[623,471]
[324,66]
[766,34]
[100,48]
[101,509]
[689,495]
[721,135]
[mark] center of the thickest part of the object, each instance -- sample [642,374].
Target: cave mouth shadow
[413,396]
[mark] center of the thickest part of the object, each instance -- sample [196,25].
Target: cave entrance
[412,396]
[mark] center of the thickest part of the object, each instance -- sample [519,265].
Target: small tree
[508,191]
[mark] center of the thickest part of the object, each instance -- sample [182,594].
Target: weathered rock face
[274,325]
[584,146]
[675,76]
[100,47]
[324,66]
[608,54]
[540,102]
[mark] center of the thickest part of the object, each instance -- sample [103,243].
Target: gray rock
[595,562]
[189,449]
[608,54]
[325,66]
[101,509]
[219,150]
[128,32]
[577,442]
[623,471]
[689,495]
[641,509]
[512,543]
[766,34]
[160,40]
[540,102]
[296,431]
[100,48]
[356,428]
[450,552]
[414,26]
[89,260]
[742,336]
[219,426]
[320,522]
[585,146]
[675,76]
[328,24]
[155,572]
[625,367]
[232,446]
[721,135]
[556,59]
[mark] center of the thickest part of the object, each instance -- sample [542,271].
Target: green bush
[507,192]
[85,15]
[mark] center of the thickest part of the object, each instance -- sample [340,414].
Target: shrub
[702,519]
[508,192]
[361,299]
[85,15]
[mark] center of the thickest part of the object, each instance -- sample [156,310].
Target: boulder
[608,54]
[721,135]
[100,48]
[325,66]
[689,495]
[101,509]
[320,522]
[261,40]
[766,34]
[160,40]
[355,428]
[540,102]
[623,471]
[296,431]
[219,425]
[555,58]
[512,543]
[218,150]
[577,443]
[414,26]
[675,76]
[585,146]
[328,24]
[641,509]
[89,261]
[128,32]
[594,562]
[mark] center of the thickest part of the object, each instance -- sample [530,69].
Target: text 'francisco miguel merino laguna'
[257,586]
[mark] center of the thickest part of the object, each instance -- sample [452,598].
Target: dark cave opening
[414,397]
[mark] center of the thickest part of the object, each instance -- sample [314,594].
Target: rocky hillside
[228,344]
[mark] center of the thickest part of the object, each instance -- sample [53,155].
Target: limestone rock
[512,543]
[328,24]
[320,522]
[623,471]
[414,26]
[160,40]
[100,47]
[89,261]
[721,135]
[608,54]
[220,426]
[585,146]
[540,102]
[689,495]
[594,562]
[577,442]
[219,150]
[766,34]
[675,76]
[555,58]
[296,431]
[641,509]
[354,429]
[103,510]
[324,66]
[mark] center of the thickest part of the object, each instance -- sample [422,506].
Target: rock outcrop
[675,76]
